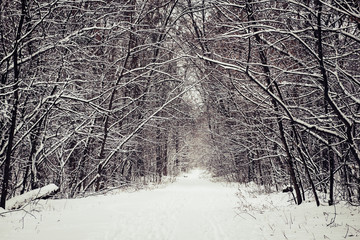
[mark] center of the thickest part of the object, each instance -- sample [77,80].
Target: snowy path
[191,208]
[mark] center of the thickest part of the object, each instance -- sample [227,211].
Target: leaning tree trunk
[281,128]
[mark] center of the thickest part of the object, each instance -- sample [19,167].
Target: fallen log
[39,193]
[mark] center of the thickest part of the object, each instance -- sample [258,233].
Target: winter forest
[101,94]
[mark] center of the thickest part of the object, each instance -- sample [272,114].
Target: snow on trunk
[21,200]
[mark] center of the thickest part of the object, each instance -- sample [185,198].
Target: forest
[100,94]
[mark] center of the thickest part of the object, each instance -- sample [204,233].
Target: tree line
[101,94]
[285,90]
[91,94]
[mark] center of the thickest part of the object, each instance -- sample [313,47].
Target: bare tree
[285,57]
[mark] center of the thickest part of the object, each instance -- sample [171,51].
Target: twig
[347,231]
[251,215]
[238,214]
[285,235]
[17,210]
[333,219]
[357,230]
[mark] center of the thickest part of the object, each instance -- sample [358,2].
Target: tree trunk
[267,72]
[327,99]
[14,110]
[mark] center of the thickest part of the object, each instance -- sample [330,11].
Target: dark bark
[281,128]
[328,100]
[33,142]
[299,143]
[6,177]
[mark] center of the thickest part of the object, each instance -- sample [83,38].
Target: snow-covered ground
[193,207]
[279,218]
